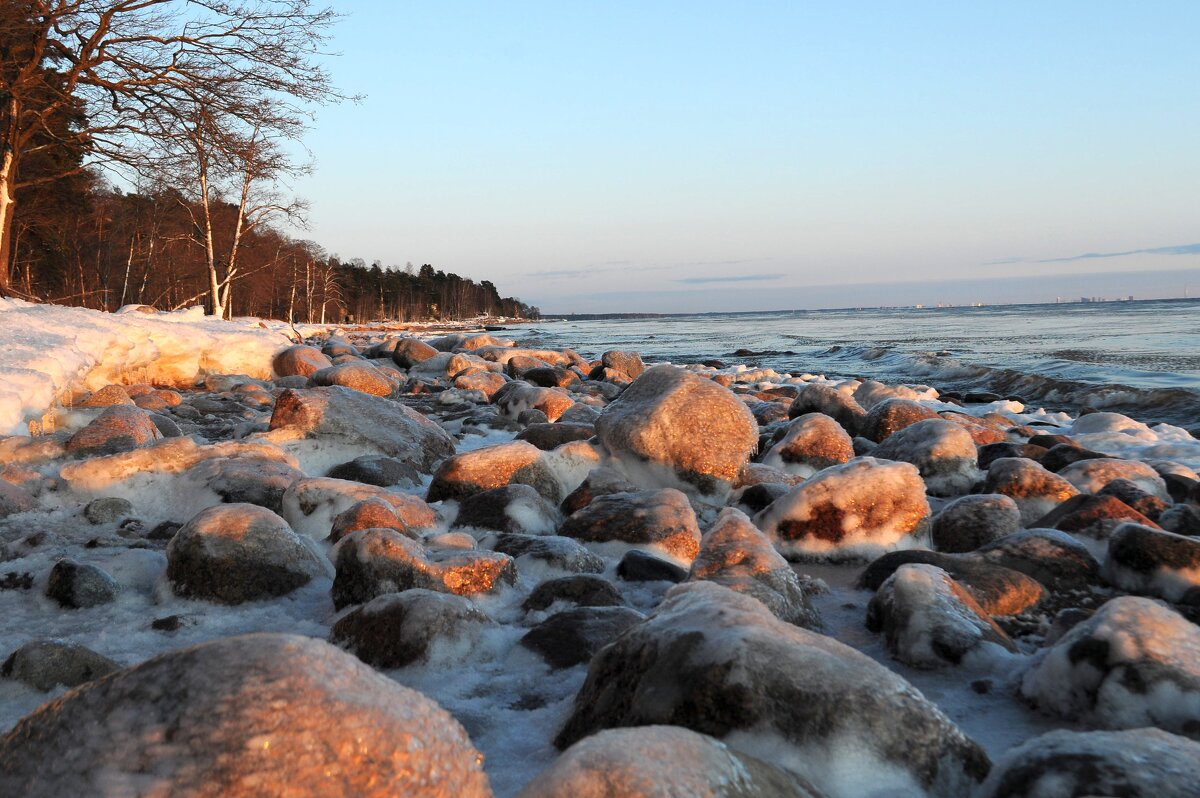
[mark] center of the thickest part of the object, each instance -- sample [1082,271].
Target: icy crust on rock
[661,762]
[1153,562]
[720,663]
[813,441]
[1139,763]
[1134,663]
[673,429]
[1035,490]
[941,450]
[257,715]
[1090,476]
[857,510]
[50,350]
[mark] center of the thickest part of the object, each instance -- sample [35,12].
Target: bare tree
[117,77]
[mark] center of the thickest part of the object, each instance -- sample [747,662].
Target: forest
[197,111]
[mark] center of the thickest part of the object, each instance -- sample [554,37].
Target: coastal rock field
[381,564]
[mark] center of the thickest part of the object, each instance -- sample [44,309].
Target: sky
[696,156]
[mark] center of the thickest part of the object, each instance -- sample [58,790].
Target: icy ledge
[49,350]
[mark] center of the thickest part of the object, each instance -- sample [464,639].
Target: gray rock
[233,553]
[378,470]
[998,590]
[238,716]
[1057,560]
[583,590]
[969,522]
[44,664]
[662,518]
[941,450]
[574,636]
[720,663]
[841,407]
[80,585]
[512,508]
[641,566]
[1153,562]
[247,480]
[553,550]
[107,510]
[398,629]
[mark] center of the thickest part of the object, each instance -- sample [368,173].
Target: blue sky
[700,156]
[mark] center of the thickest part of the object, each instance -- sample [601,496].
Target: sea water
[1141,358]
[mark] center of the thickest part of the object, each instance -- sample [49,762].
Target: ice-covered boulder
[552,551]
[893,415]
[582,590]
[374,513]
[813,441]
[550,436]
[673,428]
[45,664]
[661,519]
[373,562]
[929,620]
[300,361]
[107,396]
[77,585]
[1090,476]
[628,363]
[1110,423]
[1135,496]
[599,482]
[233,553]
[859,509]
[360,419]
[512,508]
[718,662]
[378,470]
[1134,663]
[969,522]
[259,715]
[119,428]
[662,762]
[1091,515]
[942,451]
[1035,490]
[1057,560]
[14,499]
[247,480]
[398,629]
[408,352]
[573,636]
[357,376]
[1139,763]
[734,553]
[486,382]
[515,463]
[996,589]
[516,397]
[310,505]
[842,408]
[1154,562]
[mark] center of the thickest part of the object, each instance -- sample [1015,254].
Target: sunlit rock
[893,415]
[1035,490]
[969,522]
[398,629]
[1090,476]
[813,442]
[311,505]
[996,589]
[494,467]
[300,361]
[943,452]
[842,408]
[1057,560]
[662,519]
[119,428]
[517,397]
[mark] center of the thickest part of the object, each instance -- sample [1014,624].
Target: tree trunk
[7,206]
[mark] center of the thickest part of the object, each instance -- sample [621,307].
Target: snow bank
[50,350]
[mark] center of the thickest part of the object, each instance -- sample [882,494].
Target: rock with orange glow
[662,762]
[1154,562]
[234,553]
[357,376]
[661,519]
[996,589]
[1035,490]
[892,415]
[714,660]
[120,428]
[373,562]
[1134,663]
[300,361]
[310,505]
[512,463]
[257,716]
[398,629]
[674,428]
[813,441]
[734,553]
[1141,763]
[517,397]
[942,451]
[841,407]
[1057,560]
[860,509]
[1090,476]
[929,620]
[372,514]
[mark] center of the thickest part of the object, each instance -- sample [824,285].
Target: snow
[51,351]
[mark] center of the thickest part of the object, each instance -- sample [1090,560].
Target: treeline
[78,241]
[200,105]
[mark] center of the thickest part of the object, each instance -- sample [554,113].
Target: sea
[1140,358]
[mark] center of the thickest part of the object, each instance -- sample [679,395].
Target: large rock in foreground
[719,663]
[360,418]
[233,553]
[672,428]
[860,509]
[260,715]
[661,762]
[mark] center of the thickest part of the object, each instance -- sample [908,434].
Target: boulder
[1055,559]
[1133,495]
[358,418]
[850,511]
[1182,519]
[969,522]
[300,361]
[996,589]
[550,436]
[378,470]
[262,715]
[357,376]
[661,762]
[512,508]
[929,620]
[486,382]
[398,629]
[842,408]
[233,553]
[107,396]
[1090,476]
[408,352]
[1035,490]
[662,519]
[247,480]
[1140,763]
[720,663]
[372,514]
[552,551]
[1154,562]
[942,451]
[311,505]
[893,415]
[673,428]
[515,463]
[641,566]
[517,397]
[81,585]
[1134,663]
[45,664]
[813,441]
[628,363]
[107,510]
[1093,516]
[599,482]
[583,590]
[738,556]
[573,636]
[120,428]
[373,562]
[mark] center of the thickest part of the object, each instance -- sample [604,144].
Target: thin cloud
[1183,249]
[732,278]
